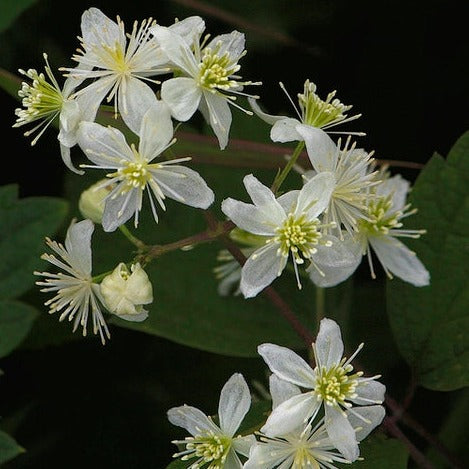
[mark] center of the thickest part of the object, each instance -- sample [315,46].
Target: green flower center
[334,385]
[319,113]
[298,236]
[215,70]
[380,219]
[134,174]
[209,448]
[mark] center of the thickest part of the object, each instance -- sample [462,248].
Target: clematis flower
[309,445]
[331,383]
[381,228]
[77,296]
[119,65]
[353,175]
[135,172]
[216,446]
[290,225]
[206,78]
[125,292]
[43,101]
[313,112]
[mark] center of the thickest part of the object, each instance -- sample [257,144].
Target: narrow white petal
[134,317]
[192,419]
[78,245]
[284,130]
[263,457]
[291,414]
[190,28]
[329,345]
[115,214]
[97,29]
[220,116]
[182,95]
[260,270]
[235,401]
[400,260]
[289,200]
[243,444]
[369,391]
[135,98]
[231,43]
[341,433]
[315,195]
[232,461]
[66,158]
[269,118]
[322,151]
[396,186]
[281,390]
[287,365]
[371,417]
[259,193]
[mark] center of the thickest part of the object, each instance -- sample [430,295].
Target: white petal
[235,401]
[329,345]
[69,119]
[104,146]
[322,151]
[398,187]
[134,317]
[291,414]
[176,49]
[369,392]
[220,116]
[260,270]
[289,200]
[231,43]
[269,118]
[341,433]
[371,417]
[89,98]
[284,130]
[66,158]
[243,444]
[263,457]
[247,216]
[156,130]
[281,390]
[113,215]
[78,245]
[99,30]
[184,185]
[190,29]
[182,95]
[315,195]
[400,260]
[192,419]
[259,193]
[337,262]
[232,461]
[287,365]
[135,98]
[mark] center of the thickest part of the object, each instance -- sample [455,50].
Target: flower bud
[125,292]
[91,202]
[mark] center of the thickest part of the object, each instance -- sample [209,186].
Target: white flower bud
[91,202]
[126,292]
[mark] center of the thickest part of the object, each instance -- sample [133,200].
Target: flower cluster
[315,427]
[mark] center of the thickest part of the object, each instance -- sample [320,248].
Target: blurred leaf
[10,10]
[24,223]
[16,320]
[10,83]
[381,452]
[431,324]
[9,448]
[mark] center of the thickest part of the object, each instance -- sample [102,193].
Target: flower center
[319,113]
[298,236]
[304,457]
[380,219]
[114,59]
[134,174]
[334,385]
[209,448]
[215,70]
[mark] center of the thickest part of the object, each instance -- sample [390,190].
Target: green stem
[287,168]
[133,239]
[320,304]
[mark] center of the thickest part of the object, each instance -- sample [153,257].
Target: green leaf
[24,224]
[10,10]
[381,452]
[9,448]
[431,324]
[16,320]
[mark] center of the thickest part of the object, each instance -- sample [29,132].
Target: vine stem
[287,168]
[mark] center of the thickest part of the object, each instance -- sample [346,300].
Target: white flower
[289,223]
[43,101]
[216,445]
[206,75]
[77,295]
[125,292]
[314,112]
[383,226]
[119,64]
[353,177]
[331,382]
[134,170]
[308,445]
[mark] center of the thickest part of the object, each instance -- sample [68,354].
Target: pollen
[135,175]
[215,70]
[380,217]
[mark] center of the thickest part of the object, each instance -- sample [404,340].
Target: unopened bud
[91,202]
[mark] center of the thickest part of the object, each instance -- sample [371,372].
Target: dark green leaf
[431,324]
[10,10]
[9,448]
[24,224]
[16,320]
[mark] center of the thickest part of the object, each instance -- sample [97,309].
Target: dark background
[402,64]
